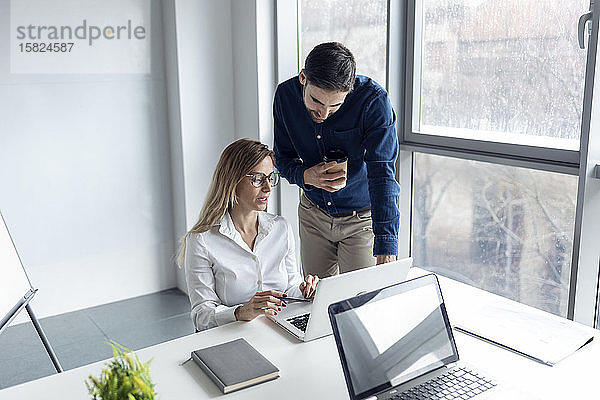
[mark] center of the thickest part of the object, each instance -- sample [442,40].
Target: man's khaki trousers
[331,245]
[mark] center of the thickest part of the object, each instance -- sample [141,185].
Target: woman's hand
[309,286]
[262,303]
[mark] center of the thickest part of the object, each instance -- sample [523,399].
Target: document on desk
[544,338]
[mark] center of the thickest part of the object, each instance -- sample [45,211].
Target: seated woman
[238,258]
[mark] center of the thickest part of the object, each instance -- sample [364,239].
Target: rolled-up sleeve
[381,150]
[207,309]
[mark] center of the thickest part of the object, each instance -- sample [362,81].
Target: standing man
[327,107]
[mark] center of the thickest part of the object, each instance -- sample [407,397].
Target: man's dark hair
[330,66]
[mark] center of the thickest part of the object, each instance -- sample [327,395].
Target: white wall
[266,59]
[245,68]
[85,180]
[174,123]
[206,92]
[253,38]
[205,73]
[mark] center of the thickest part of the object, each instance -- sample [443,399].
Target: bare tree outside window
[504,229]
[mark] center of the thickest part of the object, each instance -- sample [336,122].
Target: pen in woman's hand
[291,299]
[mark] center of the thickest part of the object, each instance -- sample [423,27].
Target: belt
[346,214]
[351,213]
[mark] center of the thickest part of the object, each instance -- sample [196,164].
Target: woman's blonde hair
[236,161]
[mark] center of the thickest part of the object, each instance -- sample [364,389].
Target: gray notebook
[235,365]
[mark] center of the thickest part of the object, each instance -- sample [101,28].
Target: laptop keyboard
[459,383]
[300,321]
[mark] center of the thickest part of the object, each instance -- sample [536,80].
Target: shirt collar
[265,224]
[226,226]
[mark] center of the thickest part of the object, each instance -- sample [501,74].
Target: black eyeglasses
[258,179]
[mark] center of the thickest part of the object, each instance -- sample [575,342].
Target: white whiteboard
[13,280]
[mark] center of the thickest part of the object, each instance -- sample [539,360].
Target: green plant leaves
[124,378]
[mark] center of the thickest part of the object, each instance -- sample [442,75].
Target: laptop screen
[387,337]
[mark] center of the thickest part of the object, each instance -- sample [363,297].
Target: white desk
[312,370]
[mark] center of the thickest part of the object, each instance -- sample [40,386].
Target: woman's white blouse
[222,272]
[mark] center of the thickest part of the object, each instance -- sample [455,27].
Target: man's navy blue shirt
[364,126]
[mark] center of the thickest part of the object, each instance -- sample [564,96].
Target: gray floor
[79,337]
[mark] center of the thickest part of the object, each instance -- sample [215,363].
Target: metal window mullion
[584,271]
[494,158]
[514,150]
[416,50]
[411,84]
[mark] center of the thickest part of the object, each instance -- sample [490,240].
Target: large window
[360,25]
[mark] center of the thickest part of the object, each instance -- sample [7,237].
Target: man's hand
[309,286]
[318,177]
[385,259]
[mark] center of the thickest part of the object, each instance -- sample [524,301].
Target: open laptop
[397,343]
[308,320]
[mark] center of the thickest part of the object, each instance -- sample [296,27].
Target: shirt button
[318,136]
[328,203]
[259,283]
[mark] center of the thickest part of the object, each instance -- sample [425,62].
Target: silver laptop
[397,343]
[308,320]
